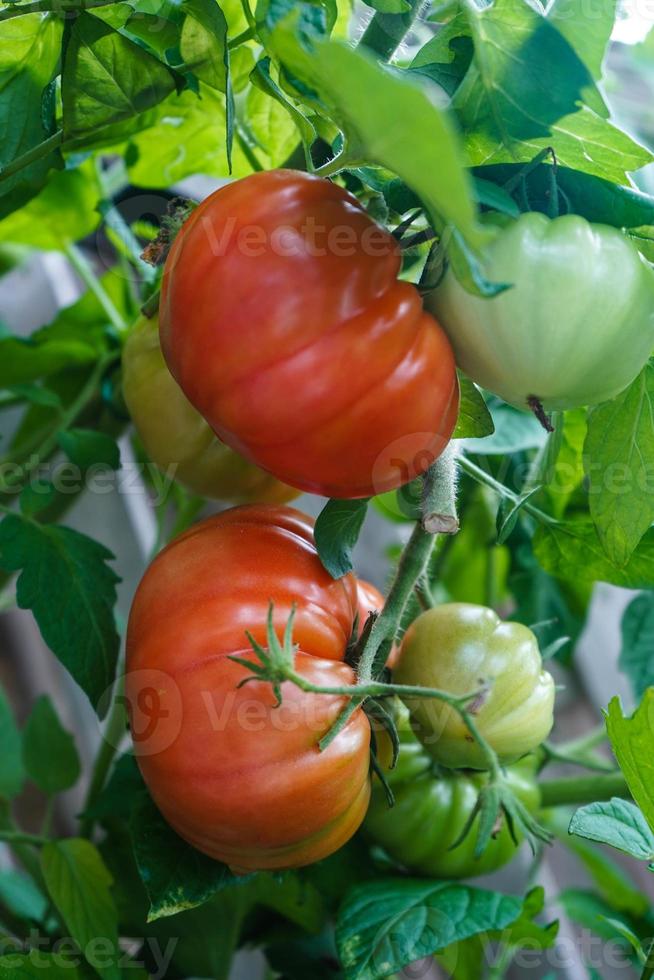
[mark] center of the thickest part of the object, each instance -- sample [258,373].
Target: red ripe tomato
[284,323]
[238,778]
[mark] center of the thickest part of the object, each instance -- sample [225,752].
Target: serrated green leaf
[336,533]
[632,741]
[108,79]
[586,27]
[79,885]
[66,582]
[386,924]
[572,551]
[87,447]
[49,751]
[617,823]
[175,875]
[12,774]
[638,643]
[619,444]
[522,94]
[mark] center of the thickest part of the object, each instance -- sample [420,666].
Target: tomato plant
[248,250]
[300,267]
[461,648]
[177,438]
[576,325]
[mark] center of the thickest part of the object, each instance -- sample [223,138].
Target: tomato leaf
[36,496]
[79,885]
[108,79]
[572,551]
[508,514]
[30,57]
[638,643]
[522,93]
[336,533]
[619,445]
[513,431]
[386,924]
[589,36]
[49,751]
[175,875]
[618,823]
[66,582]
[12,774]
[65,211]
[86,448]
[632,741]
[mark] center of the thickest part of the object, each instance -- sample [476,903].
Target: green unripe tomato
[177,438]
[431,809]
[460,648]
[576,326]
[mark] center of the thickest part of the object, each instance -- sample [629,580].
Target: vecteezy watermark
[100,952]
[69,478]
[309,237]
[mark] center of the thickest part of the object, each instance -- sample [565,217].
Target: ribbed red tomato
[235,776]
[284,322]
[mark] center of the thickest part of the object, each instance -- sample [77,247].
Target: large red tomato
[284,322]
[238,778]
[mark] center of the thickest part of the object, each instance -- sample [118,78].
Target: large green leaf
[337,532]
[79,885]
[527,89]
[29,59]
[386,924]
[618,450]
[390,120]
[632,741]
[618,823]
[66,582]
[572,551]
[37,965]
[587,26]
[108,79]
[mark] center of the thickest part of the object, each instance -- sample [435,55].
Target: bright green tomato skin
[431,810]
[576,326]
[460,648]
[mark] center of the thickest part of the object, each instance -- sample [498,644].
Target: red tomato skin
[238,778]
[303,352]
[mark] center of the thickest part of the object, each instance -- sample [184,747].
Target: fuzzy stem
[81,265]
[111,737]
[487,480]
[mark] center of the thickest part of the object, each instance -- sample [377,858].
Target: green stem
[589,789]
[39,151]
[18,837]
[335,165]
[81,265]
[648,968]
[246,149]
[380,689]
[111,738]
[385,32]
[245,35]
[487,480]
